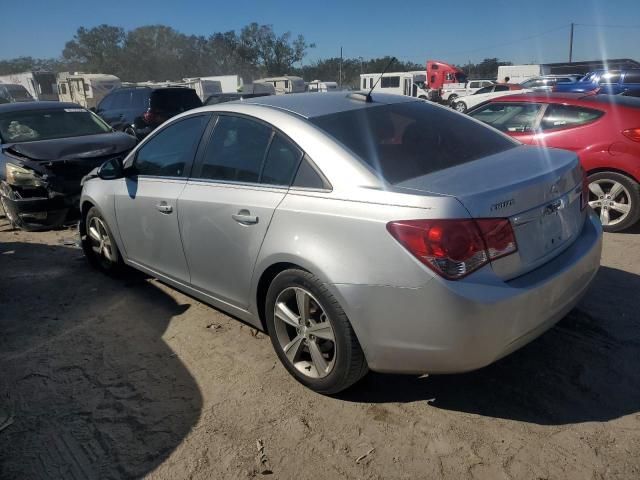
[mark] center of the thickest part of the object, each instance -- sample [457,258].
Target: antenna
[368,98]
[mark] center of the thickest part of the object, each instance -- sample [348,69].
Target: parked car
[548,82]
[451,92]
[12,92]
[45,150]
[604,81]
[139,110]
[360,231]
[604,130]
[484,94]
[230,97]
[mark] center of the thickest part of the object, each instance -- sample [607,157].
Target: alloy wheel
[304,332]
[460,107]
[100,240]
[610,200]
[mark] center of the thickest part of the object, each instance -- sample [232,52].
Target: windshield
[407,140]
[32,125]
[19,93]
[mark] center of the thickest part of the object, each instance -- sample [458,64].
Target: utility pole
[340,78]
[571,44]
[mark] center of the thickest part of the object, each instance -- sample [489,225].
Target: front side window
[236,150]
[170,151]
[501,88]
[563,116]
[407,140]
[509,117]
[474,84]
[609,78]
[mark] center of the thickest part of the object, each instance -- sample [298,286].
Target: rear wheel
[98,244]
[460,107]
[311,334]
[616,200]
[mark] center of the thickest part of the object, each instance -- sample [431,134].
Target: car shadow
[584,369]
[93,389]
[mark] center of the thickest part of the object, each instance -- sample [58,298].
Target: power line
[605,26]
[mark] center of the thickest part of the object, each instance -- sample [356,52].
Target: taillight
[584,198]
[455,248]
[148,117]
[632,134]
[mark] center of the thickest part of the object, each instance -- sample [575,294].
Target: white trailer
[204,87]
[410,84]
[228,83]
[41,85]
[86,89]
[285,84]
[320,86]
[520,73]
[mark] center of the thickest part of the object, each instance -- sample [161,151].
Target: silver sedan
[361,232]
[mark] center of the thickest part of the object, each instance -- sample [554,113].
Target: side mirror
[111,170]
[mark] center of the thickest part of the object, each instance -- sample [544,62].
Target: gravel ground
[124,378]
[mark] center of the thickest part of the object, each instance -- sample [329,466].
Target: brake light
[148,117]
[584,198]
[455,248]
[632,134]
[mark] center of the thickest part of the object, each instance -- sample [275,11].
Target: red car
[604,130]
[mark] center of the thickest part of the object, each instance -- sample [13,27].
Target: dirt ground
[125,378]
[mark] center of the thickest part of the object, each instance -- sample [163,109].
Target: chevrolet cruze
[361,232]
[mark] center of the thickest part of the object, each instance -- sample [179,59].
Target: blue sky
[454,31]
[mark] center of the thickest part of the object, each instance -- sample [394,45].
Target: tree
[98,49]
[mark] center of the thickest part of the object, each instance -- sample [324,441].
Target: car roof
[42,105]
[309,105]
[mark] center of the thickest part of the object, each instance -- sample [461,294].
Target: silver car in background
[361,232]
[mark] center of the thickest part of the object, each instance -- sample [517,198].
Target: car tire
[616,200]
[98,244]
[460,107]
[452,99]
[320,348]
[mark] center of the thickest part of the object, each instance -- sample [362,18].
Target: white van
[410,84]
[204,87]
[86,89]
[284,84]
[520,73]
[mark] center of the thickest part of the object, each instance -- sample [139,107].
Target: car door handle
[164,208]
[244,217]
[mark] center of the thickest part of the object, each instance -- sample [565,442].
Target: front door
[225,210]
[147,203]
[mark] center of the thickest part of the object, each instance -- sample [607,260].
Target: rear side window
[563,116]
[407,140]
[485,90]
[121,100]
[609,78]
[140,99]
[632,77]
[281,162]
[174,100]
[236,150]
[107,102]
[308,177]
[501,88]
[509,117]
[390,82]
[171,151]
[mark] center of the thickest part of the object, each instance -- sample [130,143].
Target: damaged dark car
[46,148]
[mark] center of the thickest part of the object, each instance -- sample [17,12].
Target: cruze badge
[501,205]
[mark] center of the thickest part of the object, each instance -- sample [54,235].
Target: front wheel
[460,107]
[98,243]
[452,99]
[311,334]
[616,200]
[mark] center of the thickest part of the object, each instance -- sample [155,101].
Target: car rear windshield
[407,140]
[175,100]
[31,125]
[19,93]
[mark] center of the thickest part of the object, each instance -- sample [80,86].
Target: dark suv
[138,110]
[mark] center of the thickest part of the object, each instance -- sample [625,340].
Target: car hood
[73,148]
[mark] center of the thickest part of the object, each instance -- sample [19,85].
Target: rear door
[227,206]
[147,203]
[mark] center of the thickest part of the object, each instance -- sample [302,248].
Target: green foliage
[487,68]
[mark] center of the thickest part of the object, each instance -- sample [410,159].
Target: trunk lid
[537,189]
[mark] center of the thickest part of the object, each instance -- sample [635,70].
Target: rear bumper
[449,327]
